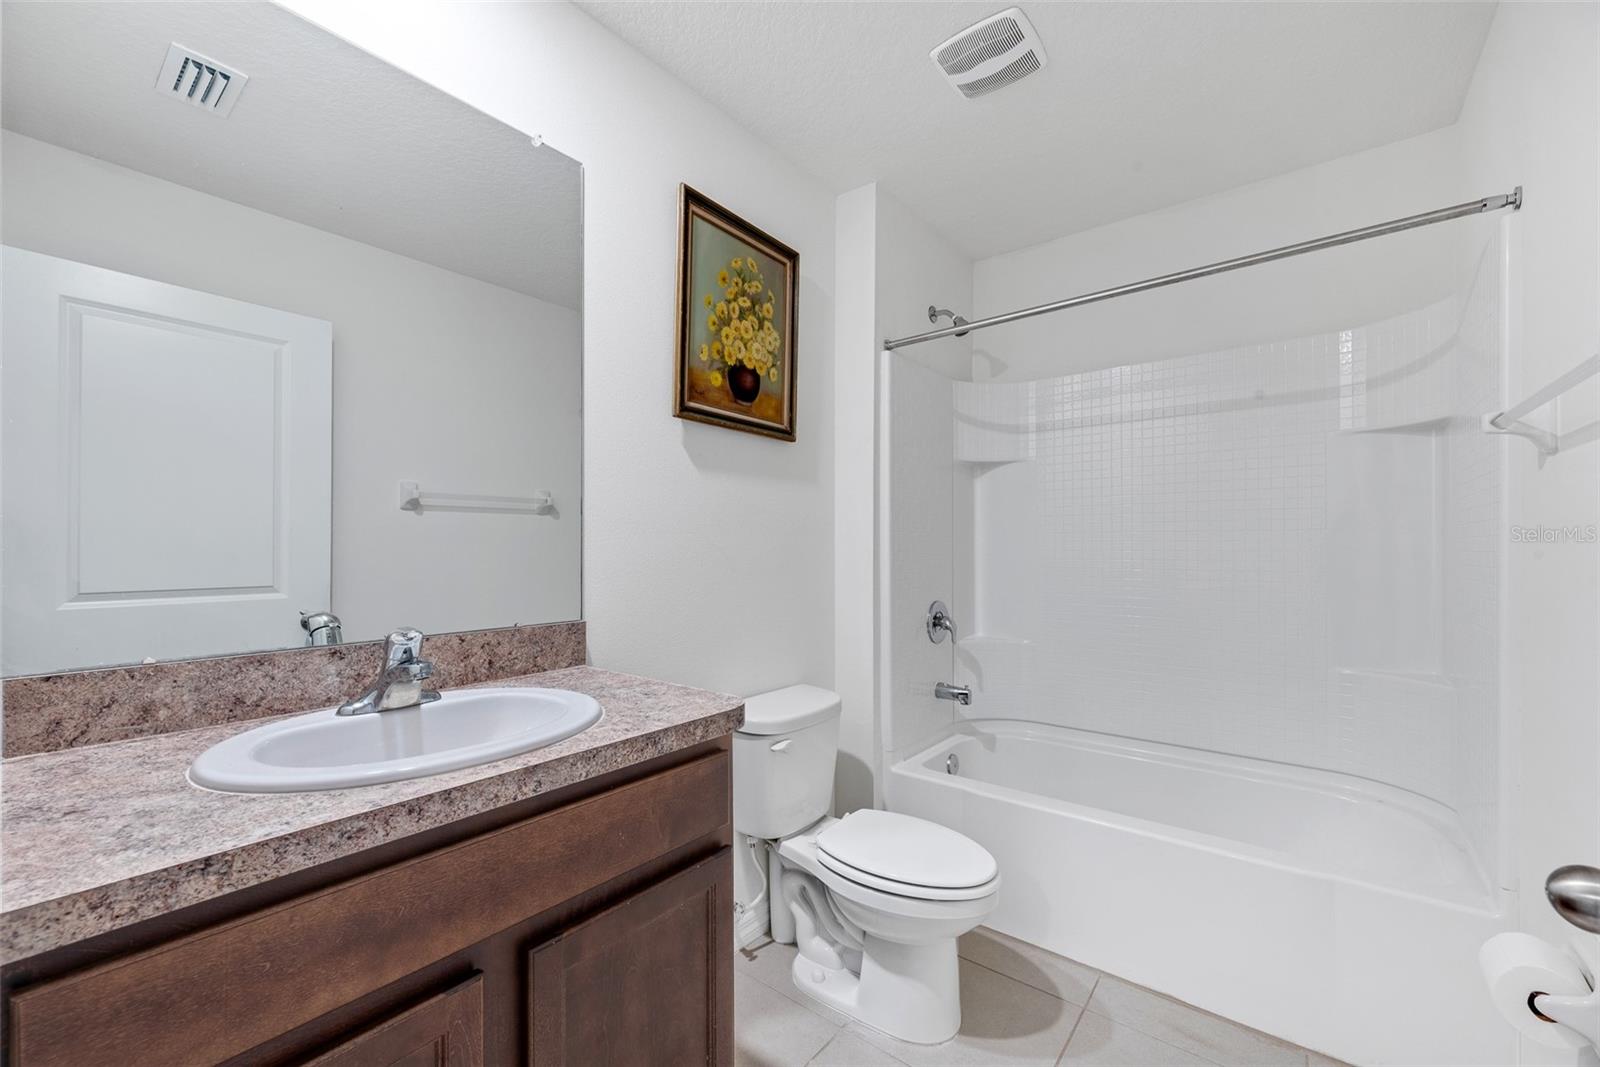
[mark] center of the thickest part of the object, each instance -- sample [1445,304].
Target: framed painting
[737,289]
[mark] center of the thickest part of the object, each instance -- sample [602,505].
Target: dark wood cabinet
[641,982]
[588,926]
[443,1031]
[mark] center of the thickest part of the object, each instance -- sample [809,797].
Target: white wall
[1290,298]
[708,554]
[857,782]
[891,266]
[439,378]
[1533,116]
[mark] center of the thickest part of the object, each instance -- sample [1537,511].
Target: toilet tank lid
[784,710]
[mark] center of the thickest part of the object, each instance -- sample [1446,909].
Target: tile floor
[1020,1005]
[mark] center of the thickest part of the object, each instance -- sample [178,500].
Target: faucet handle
[939,622]
[402,646]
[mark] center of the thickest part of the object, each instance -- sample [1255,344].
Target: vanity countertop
[103,836]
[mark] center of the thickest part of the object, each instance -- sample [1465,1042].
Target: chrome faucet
[322,628]
[938,623]
[399,683]
[959,693]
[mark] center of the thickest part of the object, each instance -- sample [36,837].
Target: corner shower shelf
[1510,420]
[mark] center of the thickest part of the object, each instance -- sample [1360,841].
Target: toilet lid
[906,850]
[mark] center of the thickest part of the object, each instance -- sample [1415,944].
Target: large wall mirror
[288,334]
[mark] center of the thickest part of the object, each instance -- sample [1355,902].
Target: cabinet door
[443,1031]
[648,982]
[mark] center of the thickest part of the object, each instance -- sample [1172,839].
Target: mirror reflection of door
[176,494]
[233,333]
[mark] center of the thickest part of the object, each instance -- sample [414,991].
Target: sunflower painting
[736,311]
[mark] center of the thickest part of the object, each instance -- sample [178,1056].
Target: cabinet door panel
[649,981]
[443,1031]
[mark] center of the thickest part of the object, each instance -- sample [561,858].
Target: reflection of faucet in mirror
[322,628]
[399,683]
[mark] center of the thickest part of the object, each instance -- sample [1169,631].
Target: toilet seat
[903,889]
[906,857]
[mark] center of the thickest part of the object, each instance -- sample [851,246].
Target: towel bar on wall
[412,498]
[1510,420]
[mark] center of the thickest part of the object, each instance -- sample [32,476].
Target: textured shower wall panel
[1157,567]
[1201,551]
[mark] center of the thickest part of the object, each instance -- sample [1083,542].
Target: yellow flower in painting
[711,322]
[731,292]
[749,363]
[736,263]
[727,334]
[752,288]
[722,277]
[773,375]
[708,300]
[744,302]
[716,349]
[705,353]
[716,377]
[766,309]
[750,261]
[746,330]
[722,306]
[736,351]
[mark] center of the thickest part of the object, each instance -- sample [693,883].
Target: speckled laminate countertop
[100,837]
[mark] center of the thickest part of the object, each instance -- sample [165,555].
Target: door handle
[1574,891]
[782,746]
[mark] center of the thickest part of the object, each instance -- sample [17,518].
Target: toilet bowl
[888,957]
[874,901]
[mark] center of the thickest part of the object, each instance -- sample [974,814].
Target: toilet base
[910,992]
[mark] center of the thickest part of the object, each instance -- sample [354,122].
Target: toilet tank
[783,759]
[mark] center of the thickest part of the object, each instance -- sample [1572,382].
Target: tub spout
[959,693]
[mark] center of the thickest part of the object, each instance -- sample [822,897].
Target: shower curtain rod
[1511,200]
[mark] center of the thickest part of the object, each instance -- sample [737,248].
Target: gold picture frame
[738,290]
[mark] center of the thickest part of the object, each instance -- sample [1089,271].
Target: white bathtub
[1335,912]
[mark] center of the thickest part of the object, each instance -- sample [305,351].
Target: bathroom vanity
[570,905]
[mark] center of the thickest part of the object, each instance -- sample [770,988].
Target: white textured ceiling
[1141,106]
[323,134]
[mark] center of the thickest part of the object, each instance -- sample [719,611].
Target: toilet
[873,901]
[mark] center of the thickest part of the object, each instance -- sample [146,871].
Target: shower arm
[1511,200]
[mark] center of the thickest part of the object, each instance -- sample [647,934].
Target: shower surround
[1287,554]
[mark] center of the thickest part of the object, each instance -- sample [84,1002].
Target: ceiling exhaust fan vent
[203,83]
[990,55]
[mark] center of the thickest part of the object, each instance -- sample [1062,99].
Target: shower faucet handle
[939,622]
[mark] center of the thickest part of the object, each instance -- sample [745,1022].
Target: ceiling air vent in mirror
[992,54]
[200,82]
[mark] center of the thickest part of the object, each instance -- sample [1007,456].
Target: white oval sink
[324,750]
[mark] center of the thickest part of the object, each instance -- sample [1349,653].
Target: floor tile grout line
[1082,1011]
[1281,1042]
[1036,989]
[1160,1040]
[1142,1033]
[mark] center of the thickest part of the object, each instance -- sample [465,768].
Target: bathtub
[1332,911]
